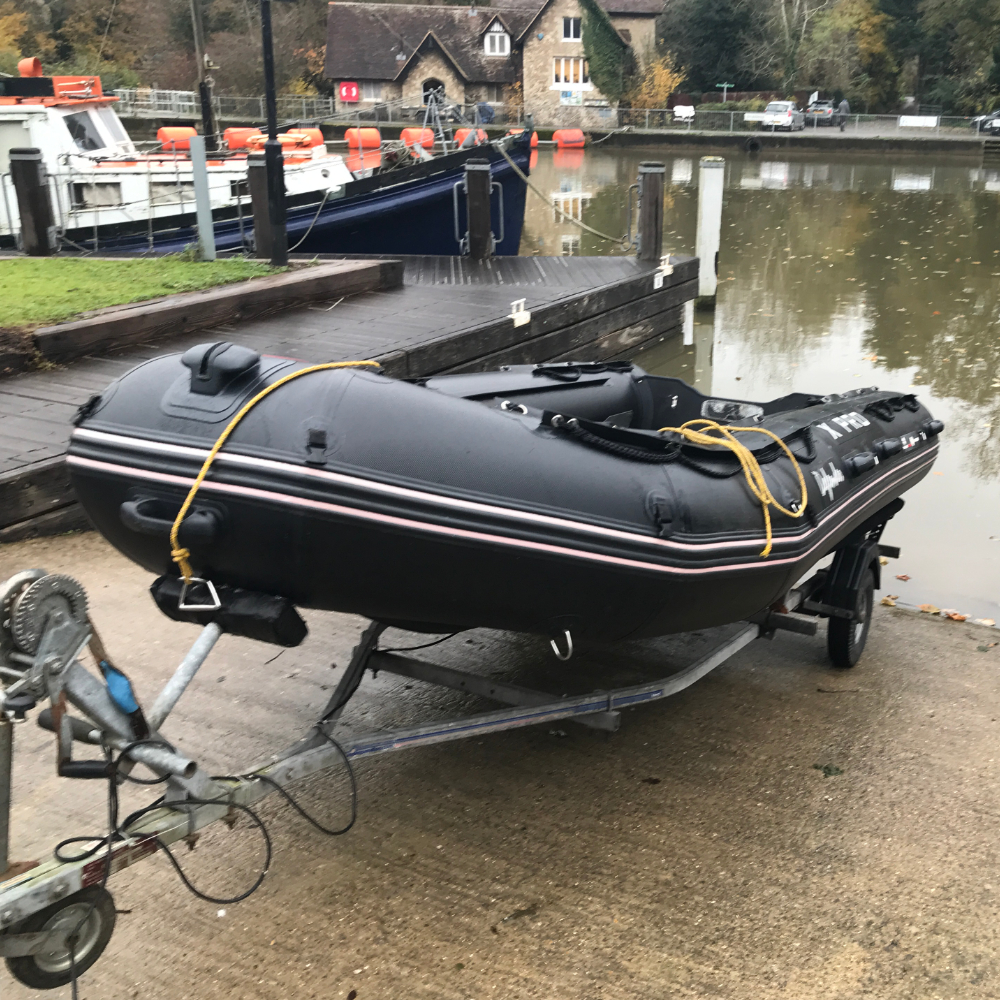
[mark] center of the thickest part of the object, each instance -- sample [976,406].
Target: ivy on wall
[610,58]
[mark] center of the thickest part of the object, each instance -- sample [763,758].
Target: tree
[610,58]
[657,81]
[847,51]
[708,38]
[965,34]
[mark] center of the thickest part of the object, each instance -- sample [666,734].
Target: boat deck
[449,314]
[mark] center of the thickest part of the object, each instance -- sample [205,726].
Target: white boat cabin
[99,176]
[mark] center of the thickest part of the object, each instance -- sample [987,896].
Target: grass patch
[38,291]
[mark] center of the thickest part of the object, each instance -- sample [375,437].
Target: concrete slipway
[702,851]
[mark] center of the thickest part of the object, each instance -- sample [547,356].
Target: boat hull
[437,511]
[411,216]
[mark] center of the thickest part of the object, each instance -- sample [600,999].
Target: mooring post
[257,182]
[652,176]
[6,760]
[38,231]
[202,200]
[711,175]
[478,181]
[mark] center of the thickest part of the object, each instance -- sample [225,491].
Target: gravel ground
[779,830]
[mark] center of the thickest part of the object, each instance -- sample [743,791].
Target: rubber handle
[152,516]
[84,769]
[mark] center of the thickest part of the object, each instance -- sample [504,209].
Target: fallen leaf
[888,602]
[882,561]
[930,609]
[955,616]
[902,576]
[935,313]
[986,648]
[987,621]
[938,473]
[871,357]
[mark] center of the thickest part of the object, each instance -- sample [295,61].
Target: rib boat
[593,498]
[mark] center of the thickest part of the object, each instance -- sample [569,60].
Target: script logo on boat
[826,481]
[847,422]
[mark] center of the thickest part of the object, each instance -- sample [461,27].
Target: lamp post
[273,159]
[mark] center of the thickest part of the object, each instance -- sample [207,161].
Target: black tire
[50,970]
[845,639]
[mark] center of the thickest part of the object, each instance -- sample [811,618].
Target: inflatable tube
[535,499]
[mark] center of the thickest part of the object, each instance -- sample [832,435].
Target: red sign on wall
[348,92]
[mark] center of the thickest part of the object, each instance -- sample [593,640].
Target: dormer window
[496,41]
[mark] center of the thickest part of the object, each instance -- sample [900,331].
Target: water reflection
[836,273]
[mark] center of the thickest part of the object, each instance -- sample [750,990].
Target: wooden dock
[450,314]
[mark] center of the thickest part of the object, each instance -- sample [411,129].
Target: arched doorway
[429,86]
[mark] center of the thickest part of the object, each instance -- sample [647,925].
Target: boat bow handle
[153,516]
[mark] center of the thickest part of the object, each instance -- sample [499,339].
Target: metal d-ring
[507,406]
[181,606]
[569,646]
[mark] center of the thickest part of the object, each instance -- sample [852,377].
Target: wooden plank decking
[450,314]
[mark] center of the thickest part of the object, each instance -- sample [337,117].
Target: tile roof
[365,41]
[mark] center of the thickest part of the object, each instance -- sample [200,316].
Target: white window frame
[569,23]
[366,86]
[497,89]
[499,38]
[565,65]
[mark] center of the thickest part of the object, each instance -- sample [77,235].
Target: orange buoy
[363,138]
[418,137]
[518,131]
[174,137]
[569,138]
[461,133]
[314,135]
[236,138]
[289,141]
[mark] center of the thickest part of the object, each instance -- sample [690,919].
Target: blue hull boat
[406,211]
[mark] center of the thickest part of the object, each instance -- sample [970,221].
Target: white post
[711,178]
[202,202]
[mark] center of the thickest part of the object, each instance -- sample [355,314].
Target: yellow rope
[181,555]
[708,432]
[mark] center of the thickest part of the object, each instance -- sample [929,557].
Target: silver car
[783,114]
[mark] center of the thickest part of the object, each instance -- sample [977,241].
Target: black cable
[258,822]
[287,796]
[118,831]
[426,645]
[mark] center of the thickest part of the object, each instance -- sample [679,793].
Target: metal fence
[143,103]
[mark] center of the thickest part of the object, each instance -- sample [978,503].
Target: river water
[835,273]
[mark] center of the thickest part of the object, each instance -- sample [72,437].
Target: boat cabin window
[97,195]
[112,124]
[84,131]
[13,133]
[171,192]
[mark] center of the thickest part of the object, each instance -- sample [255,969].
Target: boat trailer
[57,916]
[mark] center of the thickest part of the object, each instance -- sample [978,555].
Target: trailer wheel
[49,970]
[846,638]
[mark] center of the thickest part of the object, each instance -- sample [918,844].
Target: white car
[783,114]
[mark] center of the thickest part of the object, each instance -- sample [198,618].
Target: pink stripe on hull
[287,468]
[462,533]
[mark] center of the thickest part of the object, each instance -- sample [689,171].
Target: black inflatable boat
[536,498]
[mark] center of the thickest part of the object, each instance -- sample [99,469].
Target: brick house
[398,52]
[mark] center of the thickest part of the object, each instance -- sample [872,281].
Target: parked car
[822,113]
[988,124]
[783,114]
